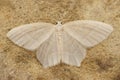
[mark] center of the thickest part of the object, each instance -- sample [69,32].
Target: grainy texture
[102,61]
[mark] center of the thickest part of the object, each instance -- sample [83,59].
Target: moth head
[59,23]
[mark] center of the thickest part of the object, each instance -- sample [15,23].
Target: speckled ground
[102,61]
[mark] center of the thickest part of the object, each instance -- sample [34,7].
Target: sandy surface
[102,61]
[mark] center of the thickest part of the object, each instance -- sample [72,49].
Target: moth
[65,43]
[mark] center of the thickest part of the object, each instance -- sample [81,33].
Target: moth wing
[47,53]
[30,36]
[73,51]
[87,32]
